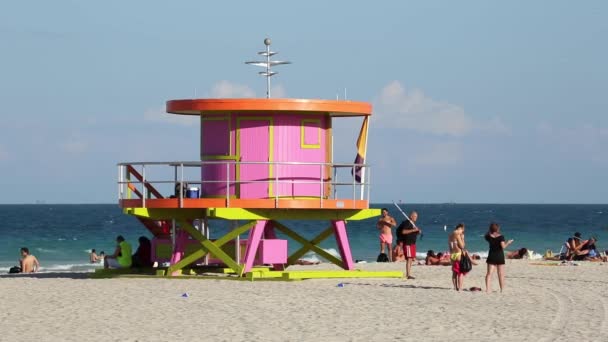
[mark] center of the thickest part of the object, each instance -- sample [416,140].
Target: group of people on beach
[405,248]
[577,249]
[122,257]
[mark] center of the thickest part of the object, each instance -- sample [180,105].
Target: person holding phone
[496,255]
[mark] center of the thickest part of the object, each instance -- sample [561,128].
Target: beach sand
[540,303]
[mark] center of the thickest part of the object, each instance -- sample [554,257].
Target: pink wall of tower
[260,137]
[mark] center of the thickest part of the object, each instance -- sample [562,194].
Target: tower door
[254,145]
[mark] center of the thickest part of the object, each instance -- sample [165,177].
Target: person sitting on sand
[571,245]
[29,263]
[518,254]
[586,249]
[93,257]
[398,253]
[121,257]
[143,255]
[431,258]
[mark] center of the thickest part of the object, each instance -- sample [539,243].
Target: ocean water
[60,236]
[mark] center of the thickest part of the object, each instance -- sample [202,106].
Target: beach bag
[382,257]
[15,269]
[465,263]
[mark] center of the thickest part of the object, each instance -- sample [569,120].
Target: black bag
[382,258]
[465,263]
[15,269]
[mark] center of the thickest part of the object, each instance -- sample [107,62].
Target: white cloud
[439,154]
[159,114]
[412,109]
[397,107]
[226,89]
[494,125]
[221,89]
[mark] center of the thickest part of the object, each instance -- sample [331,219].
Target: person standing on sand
[385,225]
[28,263]
[457,245]
[407,232]
[496,255]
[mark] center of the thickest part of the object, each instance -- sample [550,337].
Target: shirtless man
[93,257]
[29,263]
[384,225]
[456,245]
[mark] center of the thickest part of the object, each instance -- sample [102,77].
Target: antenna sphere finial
[267,41]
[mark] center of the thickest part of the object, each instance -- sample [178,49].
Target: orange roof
[334,108]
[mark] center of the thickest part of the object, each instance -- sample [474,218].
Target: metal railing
[133,178]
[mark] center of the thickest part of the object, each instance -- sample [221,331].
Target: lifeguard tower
[263,161]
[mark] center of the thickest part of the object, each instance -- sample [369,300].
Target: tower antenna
[267,64]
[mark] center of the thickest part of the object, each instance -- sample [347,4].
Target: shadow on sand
[49,275]
[403,286]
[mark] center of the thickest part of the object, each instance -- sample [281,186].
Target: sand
[540,303]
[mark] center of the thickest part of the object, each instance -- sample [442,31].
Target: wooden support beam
[208,246]
[308,245]
[187,260]
[253,242]
[339,227]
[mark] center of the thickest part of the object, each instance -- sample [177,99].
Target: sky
[474,101]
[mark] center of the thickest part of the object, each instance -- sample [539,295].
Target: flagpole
[366,160]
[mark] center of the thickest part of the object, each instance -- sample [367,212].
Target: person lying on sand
[518,254]
[306,262]
[438,259]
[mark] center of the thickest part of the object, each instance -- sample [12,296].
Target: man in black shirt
[407,232]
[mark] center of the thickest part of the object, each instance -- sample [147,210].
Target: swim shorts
[113,263]
[386,238]
[456,268]
[409,251]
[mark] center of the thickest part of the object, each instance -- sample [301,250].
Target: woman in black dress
[496,255]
